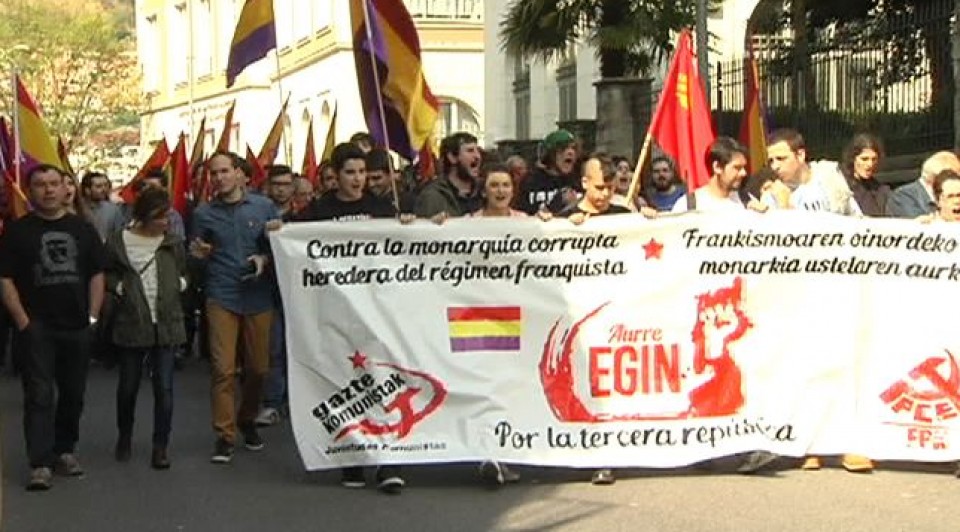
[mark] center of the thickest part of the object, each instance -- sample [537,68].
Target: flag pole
[635,181]
[287,153]
[16,128]
[383,119]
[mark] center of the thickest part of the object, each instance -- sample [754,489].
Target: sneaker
[268,417]
[251,438]
[41,479]
[756,461]
[68,466]
[495,474]
[389,480]
[855,463]
[353,478]
[122,451]
[603,477]
[222,452]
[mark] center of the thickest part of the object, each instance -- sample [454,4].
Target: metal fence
[891,75]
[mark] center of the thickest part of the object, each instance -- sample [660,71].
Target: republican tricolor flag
[484,328]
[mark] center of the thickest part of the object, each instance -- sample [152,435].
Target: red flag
[753,130]
[224,143]
[271,146]
[682,124]
[259,174]
[18,204]
[310,168]
[427,161]
[179,176]
[158,159]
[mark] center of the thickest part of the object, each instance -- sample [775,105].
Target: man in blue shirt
[229,234]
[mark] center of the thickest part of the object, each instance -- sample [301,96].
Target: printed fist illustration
[719,325]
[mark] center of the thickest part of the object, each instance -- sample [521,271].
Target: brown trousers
[225,329]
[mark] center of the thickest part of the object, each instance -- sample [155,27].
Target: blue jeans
[161,360]
[275,391]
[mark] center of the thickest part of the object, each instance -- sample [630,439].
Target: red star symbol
[359,360]
[653,249]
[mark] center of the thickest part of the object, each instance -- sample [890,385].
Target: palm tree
[630,36]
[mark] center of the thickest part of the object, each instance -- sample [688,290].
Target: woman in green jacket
[146,269]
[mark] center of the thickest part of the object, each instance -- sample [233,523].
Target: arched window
[456,116]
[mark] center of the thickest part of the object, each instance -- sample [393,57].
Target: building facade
[183,46]
[528,99]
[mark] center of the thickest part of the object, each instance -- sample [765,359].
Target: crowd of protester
[141,287]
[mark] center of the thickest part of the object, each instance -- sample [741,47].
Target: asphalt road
[269,491]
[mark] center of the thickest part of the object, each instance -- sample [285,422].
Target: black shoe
[222,452]
[251,438]
[159,460]
[603,477]
[756,461]
[122,451]
[389,480]
[353,478]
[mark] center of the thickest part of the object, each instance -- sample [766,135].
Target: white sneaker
[268,417]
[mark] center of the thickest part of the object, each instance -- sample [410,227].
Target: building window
[302,19]
[455,117]
[203,58]
[567,89]
[151,59]
[177,45]
[321,15]
[452,10]
[521,98]
[228,15]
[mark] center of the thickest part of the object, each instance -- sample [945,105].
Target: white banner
[622,342]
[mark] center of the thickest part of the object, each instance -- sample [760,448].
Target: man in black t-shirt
[350,201]
[51,269]
[599,175]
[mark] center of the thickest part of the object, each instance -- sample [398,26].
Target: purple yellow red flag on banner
[255,36]
[36,144]
[484,328]
[753,130]
[399,108]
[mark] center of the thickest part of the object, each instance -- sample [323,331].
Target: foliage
[631,36]
[77,58]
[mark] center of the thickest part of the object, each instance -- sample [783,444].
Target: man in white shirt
[817,186]
[727,160]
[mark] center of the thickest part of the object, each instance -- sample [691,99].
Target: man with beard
[727,160]
[665,189]
[553,183]
[95,191]
[455,193]
[229,236]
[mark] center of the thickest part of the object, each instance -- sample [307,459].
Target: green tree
[630,36]
[77,58]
